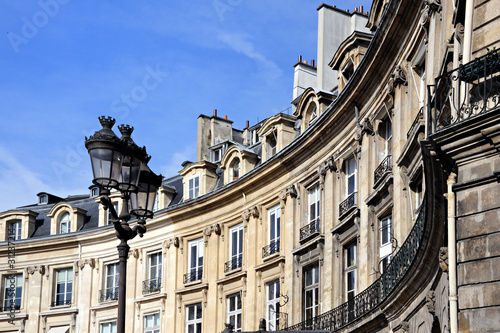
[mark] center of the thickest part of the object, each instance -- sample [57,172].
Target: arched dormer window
[234,170]
[65,223]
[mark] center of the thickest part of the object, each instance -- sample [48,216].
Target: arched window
[65,223]
[235,169]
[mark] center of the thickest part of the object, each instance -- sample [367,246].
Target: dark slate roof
[175,182]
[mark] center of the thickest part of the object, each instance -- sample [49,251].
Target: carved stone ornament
[430,300]
[138,309]
[179,302]
[220,288]
[459,32]
[244,285]
[336,238]
[204,294]
[23,325]
[398,77]
[282,271]
[32,269]
[405,326]
[259,279]
[246,215]
[443,259]
[367,127]
[83,262]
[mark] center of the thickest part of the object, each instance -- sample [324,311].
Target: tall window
[351,173]
[153,282]
[273,232]
[385,242]
[217,155]
[234,170]
[109,216]
[194,187]
[193,318]
[236,244]
[12,291]
[156,206]
[14,230]
[108,327]
[350,270]
[313,196]
[65,223]
[234,311]
[271,145]
[195,260]
[110,291]
[152,323]
[387,135]
[272,305]
[64,287]
[311,292]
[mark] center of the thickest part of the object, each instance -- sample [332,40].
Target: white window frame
[195,321]
[236,235]
[350,269]
[195,245]
[271,149]
[108,215]
[313,195]
[217,154]
[108,327]
[65,223]
[11,296]
[155,269]
[234,311]
[44,199]
[274,218]
[193,188]
[351,171]
[387,135]
[14,230]
[67,280]
[235,173]
[311,287]
[385,241]
[111,276]
[272,305]
[155,328]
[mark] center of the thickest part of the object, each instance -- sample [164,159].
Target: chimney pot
[225,117]
[300,58]
[248,124]
[361,9]
[313,63]
[215,112]
[355,9]
[305,62]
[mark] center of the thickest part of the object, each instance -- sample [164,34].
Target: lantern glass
[143,201]
[106,165]
[130,171]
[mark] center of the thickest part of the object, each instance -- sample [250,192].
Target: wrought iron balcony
[419,117]
[272,248]
[14,307]
[465,92]
[375,294]
[384,167]
[109,294]
[151,286]
[309,230]
[233,264]
[60,302]
[194,275]
[347,204]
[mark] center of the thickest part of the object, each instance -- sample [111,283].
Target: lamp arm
[107,204]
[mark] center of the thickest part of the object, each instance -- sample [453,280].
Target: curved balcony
[193,275]
[233,264]
[272,248]
[109,294]
[309,230]
[151,286]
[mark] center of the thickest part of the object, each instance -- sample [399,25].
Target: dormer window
[94,192]
[43,199]
[271,144]
[235,169]
[314,115]
[65,223]
[194,187]
[217,155]
[348,70]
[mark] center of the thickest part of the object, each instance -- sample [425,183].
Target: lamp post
[119,164]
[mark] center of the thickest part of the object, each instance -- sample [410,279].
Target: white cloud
[173,168]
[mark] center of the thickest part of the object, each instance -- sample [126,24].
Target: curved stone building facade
[373,208]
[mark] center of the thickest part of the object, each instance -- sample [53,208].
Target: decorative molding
[336,239]
[207,232]
[179,302]
[93,315]
[405,326]
[430,300]
[220,289]
[321,250]
[443,259]
[244,285]
[138,309]
[259,279]
[32,269]
[282,271]
[23,325]
[459,32]
[204,294]
[371,216]
[296,260]
[91,262]
[289,191]
[398,77]
[163,305]
[44,323]
[73,321]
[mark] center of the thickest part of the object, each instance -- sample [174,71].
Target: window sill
[233,271]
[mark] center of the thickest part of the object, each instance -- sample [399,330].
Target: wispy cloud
[188,153]
[240,44]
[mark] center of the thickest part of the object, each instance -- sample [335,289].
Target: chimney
[300,58]
[361,9]
[355,9]
[248,124]
[225,116]
[304,62]
[215,112]
[313,63]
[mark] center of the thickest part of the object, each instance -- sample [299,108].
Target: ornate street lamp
[119,164]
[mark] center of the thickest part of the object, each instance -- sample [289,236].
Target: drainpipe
[452,255]
[469,13]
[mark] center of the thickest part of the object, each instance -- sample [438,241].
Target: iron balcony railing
[419,116]
[60,302]
[109,294]
[348,203]
[151,286]
[309,230]
[11,308]
[376,293]
[273,247]
[233,264]
[384,167]
[465,92]
[194,275]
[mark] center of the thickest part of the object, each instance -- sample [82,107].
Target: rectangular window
[236,246]
[194,187]
[313,196]
[111,278]
[234,311]
[273,232]
[311,292]
[108,327]
[152,323]
[12,291]
[272,305]
[64,287]
[271,145]
[385,242]
[14,231]
[350,270]
[109,216]
[217,155]
[195,263]
[193,318]
[65,225]
[153,282]
[351,173]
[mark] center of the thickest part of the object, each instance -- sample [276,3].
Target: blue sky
[155,65]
